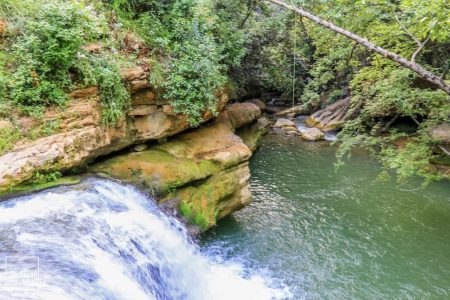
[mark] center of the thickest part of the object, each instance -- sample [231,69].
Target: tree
[421,71]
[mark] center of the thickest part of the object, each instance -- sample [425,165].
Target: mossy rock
[156,168]
[252,133]
[200,202]
[26,188]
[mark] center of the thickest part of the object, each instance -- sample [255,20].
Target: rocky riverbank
[204,170]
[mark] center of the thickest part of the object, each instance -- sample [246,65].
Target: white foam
[109,241]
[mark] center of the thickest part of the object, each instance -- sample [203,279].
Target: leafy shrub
[41,178]
[197,49]
[48,59]
[194,77]
[45,51]
[7,138]
[103,72]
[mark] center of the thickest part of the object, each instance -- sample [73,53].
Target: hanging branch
[421,71]
[351,54]
[420,44]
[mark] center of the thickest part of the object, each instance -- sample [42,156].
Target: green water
[329,235]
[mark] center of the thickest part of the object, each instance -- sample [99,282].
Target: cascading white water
[105,240]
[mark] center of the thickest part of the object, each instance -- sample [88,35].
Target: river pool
[338,235]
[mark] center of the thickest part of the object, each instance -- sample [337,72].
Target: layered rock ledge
[81,135]
[205,170]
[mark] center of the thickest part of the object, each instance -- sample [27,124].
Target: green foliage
[413,159]
[7,138]
[45,51]
[41,178]
[50,127]
[104,73]
[199,45]
[382,91]
[47,60]
[194,79]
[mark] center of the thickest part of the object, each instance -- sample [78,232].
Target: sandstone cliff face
[205,170]
[82,137]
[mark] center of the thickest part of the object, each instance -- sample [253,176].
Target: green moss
[156,168]
[199,202]
[251,135]
[39,186]
[196,218]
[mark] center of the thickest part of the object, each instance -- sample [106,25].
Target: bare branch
[421,71]
[413,57]
[405,29]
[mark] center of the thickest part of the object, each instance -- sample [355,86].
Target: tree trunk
[427,75]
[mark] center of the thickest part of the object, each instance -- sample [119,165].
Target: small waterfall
[104,240]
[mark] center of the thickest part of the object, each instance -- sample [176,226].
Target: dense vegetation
[198,47]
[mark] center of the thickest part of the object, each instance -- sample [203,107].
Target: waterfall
[105,240]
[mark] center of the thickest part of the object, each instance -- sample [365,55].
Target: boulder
[205,170]
[158,125]
[283,123]
[312,134]
[441,133]
[212,157]
[258,102]
[296,110]
[330,118]
[239,114]
[215,197]
[59,152]
[289,129]
[252,133]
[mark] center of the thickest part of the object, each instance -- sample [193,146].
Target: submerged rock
[312,134]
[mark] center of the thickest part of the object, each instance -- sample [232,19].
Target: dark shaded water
[338,235]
